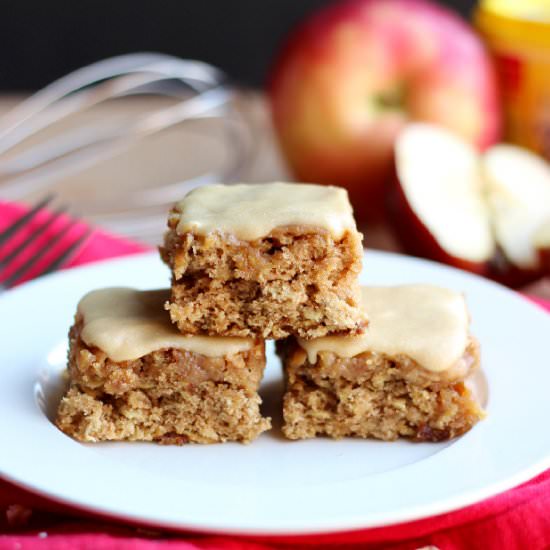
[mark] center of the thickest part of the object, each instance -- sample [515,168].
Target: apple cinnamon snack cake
[266,260]
[133,376]
[406,376]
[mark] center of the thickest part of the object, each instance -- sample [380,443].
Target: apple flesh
[541,242]
[517,184]
[488,213]
[351,76]
[437,206]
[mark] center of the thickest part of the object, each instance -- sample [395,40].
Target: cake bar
[133,376]
[405,377]
[265,260]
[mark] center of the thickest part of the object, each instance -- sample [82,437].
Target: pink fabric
[516,519]
[99,246]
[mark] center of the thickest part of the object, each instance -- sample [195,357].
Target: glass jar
[518,34]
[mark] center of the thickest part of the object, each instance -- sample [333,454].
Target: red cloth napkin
[517,519]
[99,246]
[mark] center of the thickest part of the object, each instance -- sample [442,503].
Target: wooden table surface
[175,154]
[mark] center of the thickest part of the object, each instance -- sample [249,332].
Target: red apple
[437,205]
[352,74]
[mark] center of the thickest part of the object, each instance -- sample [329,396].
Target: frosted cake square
[406,376]
[265,260]
[133,376]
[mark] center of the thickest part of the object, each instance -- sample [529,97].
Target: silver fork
[9,278]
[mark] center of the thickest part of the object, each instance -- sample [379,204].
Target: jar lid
[515,22]
[528,10]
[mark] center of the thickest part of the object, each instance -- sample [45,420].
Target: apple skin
[543,254]
[544,259]
[512,276]
[351,75]
[415,236]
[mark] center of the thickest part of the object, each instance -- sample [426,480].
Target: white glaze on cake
[251,211]
[425,323]
[128,324]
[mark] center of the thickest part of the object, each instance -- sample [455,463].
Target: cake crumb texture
[169,396]
[375,396]
[211,413]
[294,281]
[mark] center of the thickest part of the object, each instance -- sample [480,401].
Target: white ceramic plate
[272,486]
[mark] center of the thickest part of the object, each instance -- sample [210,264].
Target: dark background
[41,40]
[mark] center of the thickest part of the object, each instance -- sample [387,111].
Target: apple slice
[517,186]
[437,206]
[541,240]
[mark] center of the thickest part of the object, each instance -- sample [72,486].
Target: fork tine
[37,233]
[24,219]
[55,263]
[67,254]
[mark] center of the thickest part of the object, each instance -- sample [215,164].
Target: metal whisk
[198,91]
